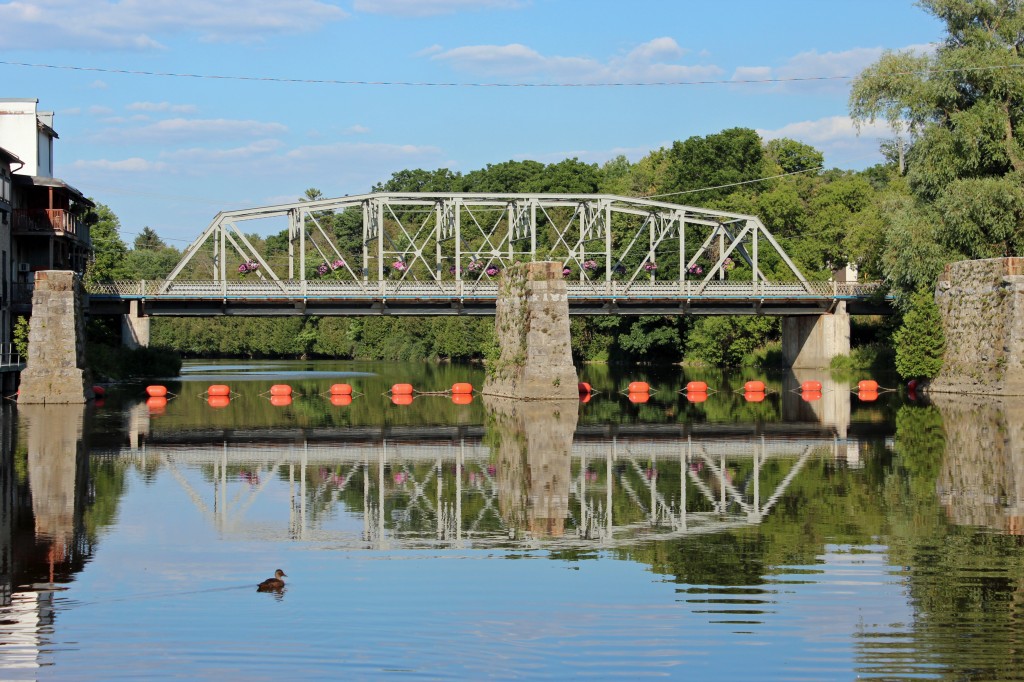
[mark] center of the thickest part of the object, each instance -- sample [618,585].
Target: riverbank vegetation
[951,187]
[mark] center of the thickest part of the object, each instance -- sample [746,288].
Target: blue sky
[170,152]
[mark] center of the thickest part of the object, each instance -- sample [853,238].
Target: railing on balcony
[45,221]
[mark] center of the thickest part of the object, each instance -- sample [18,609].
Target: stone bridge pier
[55,370]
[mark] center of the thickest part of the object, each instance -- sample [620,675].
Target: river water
[834,538]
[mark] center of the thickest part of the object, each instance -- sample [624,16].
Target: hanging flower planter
[566,271]
[695,270]
[492,271]
[590,264]
[248,266]
[399,266]
[650,266]
[728,264]
[338,264]
[322,269]
[475,266]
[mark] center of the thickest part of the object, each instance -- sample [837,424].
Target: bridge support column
[134,327]
[810,342]
[532,329]
[55,370]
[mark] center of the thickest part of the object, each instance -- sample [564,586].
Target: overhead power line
[431,84]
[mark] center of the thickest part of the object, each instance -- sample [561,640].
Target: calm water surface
[835,538]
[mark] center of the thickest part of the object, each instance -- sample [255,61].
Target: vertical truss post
[681,217]
[223,275]
[456,206]
[378,210]
[608,242]
[293,230]
[302,245]
[366,240]
[533,229]
[755,268]
[651,220]
[438,236]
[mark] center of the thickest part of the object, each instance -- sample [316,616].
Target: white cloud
[357,130]
[361,150]
[97,110]
[132,165]
[129,24]
[423,8]
[98,85]
[259,148]
[162,106]
[837,137]
[645,63]
[181,129]
[821,65]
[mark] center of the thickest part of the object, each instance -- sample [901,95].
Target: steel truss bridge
[442,254]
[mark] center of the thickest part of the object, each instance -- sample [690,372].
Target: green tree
[108,258]
[793,157]
[920,341]
[148,239]
[964,108]
[731,156]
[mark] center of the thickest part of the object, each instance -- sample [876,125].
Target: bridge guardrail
[295,289]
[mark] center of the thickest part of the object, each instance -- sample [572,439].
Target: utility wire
[330,81]
[734,184]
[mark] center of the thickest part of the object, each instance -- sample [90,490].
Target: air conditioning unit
[24,267]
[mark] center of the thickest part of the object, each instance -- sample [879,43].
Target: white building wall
[20,134]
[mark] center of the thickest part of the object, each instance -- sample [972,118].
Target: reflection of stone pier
[534,451]
[982,478]
[58,475]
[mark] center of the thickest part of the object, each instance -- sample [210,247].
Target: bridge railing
[487,290]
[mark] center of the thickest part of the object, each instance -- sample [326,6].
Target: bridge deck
[294,297]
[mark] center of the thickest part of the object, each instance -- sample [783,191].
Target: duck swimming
[275,584]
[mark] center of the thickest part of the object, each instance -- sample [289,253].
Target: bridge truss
[442,253]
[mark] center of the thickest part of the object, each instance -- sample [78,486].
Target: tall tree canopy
[963,106]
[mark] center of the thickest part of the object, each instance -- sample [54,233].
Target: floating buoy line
[219,396]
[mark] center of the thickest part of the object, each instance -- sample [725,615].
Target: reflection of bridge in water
[582,486]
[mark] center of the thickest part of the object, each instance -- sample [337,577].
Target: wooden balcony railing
[45,220]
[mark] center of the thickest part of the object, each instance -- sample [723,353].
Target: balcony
[46,221]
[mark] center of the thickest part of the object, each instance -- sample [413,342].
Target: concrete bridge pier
[810,342]
[55,371]
[134,327]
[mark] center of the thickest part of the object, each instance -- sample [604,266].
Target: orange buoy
[218,401]
[586,397]
[462,398]
[639,387]
[867,385]
[218,390]
[156,391]
[754,396]
[401,389]
[99,391]
[341,399]
[639,397]
[401,398]
[280,400]
[754,387]
[810,396]
[584,388]
[156,404]
[341,389]
[696,387]
[280,389]
[912,385]
[811,386]
[696,396]
[462,388]
[867,396]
